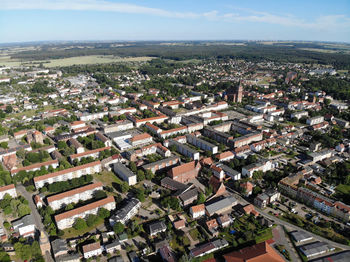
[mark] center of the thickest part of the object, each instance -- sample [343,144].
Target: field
[77,60]
[344,189]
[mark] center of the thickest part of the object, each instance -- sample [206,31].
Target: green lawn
[107,178]
[71,232]
[344,189]
[194,233]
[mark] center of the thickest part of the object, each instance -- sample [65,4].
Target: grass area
[194,233]
[77,60]
[344,189]
[31,113]
[264,235]
[107,178]
[71,232]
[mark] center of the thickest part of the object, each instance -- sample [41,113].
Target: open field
[77,60]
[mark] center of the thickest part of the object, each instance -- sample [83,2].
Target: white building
[67,219]
[9,189]
[92,250]
[73,196]
[315,120]
[68,174]
[125,173]
[25,226]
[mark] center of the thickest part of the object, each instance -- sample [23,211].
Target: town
[208,160]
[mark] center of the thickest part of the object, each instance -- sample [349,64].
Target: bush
[80,224]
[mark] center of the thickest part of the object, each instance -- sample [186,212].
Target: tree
[9,109]
[80,224]
[327,101]
[140,175]
[103,213]
[100,194]
[201,198]
[4,145]
[132,166]
[149,174]
[91,219]
[23,210]
[257,190]
[118,228]
[124,187]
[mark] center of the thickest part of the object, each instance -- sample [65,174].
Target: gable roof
[261,252]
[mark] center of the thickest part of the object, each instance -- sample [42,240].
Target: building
[73,196]
[113,247]
[68,174]
[301,236]
[99,136]
[124,214]
[76,144]
[156,228]
[208,248]
[221,206]
[91,153]
[162,164]
[315,120]
[185,150]
[67,219]
[185,172]
[25,226]
[261,252]
[202,144]
[263,166]
[35,167]
[268,197]
[9,189]
[140,139]
[166,254]
[125,173]
[235,94]
[59,247]
[92,250]
[44,243]
[315,249]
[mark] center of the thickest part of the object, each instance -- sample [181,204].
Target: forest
[251,51]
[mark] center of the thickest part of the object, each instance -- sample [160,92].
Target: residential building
[125,173]
[221,206]
[91,153]
[68,174]
[185,172]
[92,250]
[25,226]
[185,150]
[202,144]
[67,219]
[124,214]
[315,249]
[73,196]
[37,166]
[156,228]
[9,189]
[162,164]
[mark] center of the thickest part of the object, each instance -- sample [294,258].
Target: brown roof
[90,152]
[37,165]
[140,137]
[261,252]
[183,168]
[85,208]
[73,192]
[65,171]
[91,247]
[224,155]
[198,208]
[8,187]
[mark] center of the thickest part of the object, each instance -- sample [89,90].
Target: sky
[54,20]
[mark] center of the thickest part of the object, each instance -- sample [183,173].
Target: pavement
[37,218]
[280,238]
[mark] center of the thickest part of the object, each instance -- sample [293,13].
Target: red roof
[34,166]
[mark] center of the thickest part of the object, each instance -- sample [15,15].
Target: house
[249,209]
[247,188]
[224,220]
[261,252]
[92,250]
[225,156]
[67,174]
[73,196]
[113,247]
[212,225]
[185,172]
[208,248]
[140,139]
[166,254]
[197,211]
[185,150]
[125,213]
[67,219]
[9,189]
[59,247]
[263,166]
[99,136]
[221,206]
[188,196]
[125,173]
[156,228]
[25,226]
[315,120]
[76,144]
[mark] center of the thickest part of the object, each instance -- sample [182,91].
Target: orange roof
[75,123]
[212,223]
[37,165]
[224,155]
[198,208]
[140,137]
[248,186]
[248,208]
[8,187]
[261,252]
[65,171]
[174,130]
[85,208]
[183,168]
[73,192]
[90,152]
[90,247]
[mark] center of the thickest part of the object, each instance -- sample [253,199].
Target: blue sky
[41,20]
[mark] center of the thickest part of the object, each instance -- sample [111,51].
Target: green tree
[118,228]
[103,213]
[80,224]
[140,175]
[201,198]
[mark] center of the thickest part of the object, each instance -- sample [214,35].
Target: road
[37,218]
[281,239]
[284,223]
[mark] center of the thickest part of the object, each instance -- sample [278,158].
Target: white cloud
[323,23]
